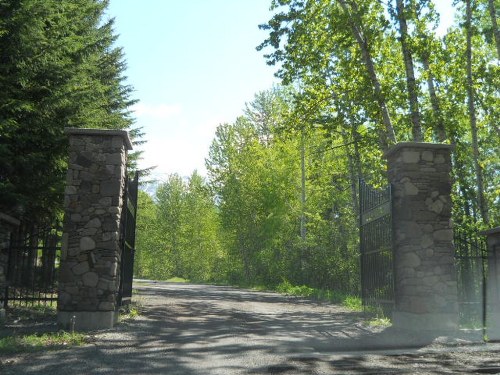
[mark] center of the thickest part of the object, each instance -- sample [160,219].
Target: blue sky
[193,65]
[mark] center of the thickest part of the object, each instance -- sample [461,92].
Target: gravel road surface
[197,329]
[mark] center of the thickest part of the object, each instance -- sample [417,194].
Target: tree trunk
[410,73]
[303,229]
[389,136]
[494,25]
[472,117]
[440,129]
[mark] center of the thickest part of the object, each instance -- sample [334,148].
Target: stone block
[427,156]
[426,241]
[88,232]
[410,156]
[87,243]
[117,142]
[114,158]
[108,236]
[410,260]
[90,279]
[106,306]
[439,159]
[81,268]
[110,224]
[84,160]
[65,274]
[110,188]
[72,290]
[86,176]
[114,210]
[94,223]
[105,202]
[410,188]
[64,298]
[443,235]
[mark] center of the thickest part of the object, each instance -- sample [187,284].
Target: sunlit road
[197,329]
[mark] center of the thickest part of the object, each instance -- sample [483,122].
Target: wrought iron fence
[32,268]
[376,252]
[128,225]
[471,262]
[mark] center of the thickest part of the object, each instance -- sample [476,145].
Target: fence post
[493,284]
[425,278]
[90,258]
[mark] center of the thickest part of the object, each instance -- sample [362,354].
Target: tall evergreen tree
[58,68]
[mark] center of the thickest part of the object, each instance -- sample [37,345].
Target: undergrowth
[352,302]
[35,342]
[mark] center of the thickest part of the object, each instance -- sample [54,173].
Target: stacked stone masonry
[425,278]
[8,225]
[89,274]
[3,275]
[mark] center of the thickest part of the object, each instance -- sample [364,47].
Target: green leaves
[394,80]
[178,232]
[58,68]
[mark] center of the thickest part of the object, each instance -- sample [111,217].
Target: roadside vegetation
[279,207]
[280,199]
[43,341]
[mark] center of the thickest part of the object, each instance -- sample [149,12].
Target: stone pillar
[3,274]
[425,279]
[90,258]
[493,284]
[8,225]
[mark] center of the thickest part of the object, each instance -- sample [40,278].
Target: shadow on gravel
[210,330]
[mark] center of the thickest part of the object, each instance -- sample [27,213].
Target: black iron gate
[128,223]
[471,261]
[376,252]
[32,269]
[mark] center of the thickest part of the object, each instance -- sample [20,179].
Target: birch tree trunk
[494,25]
[410,73]
[440,129]
[356,28]
[483,209]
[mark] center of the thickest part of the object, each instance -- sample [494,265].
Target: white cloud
[174,155]
[157,111]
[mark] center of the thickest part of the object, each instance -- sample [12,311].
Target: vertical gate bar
[485,303]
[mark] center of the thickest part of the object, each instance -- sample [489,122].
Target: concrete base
[493,326]
[430,322]
[86,320]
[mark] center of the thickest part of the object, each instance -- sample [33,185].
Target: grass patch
[286,287]
[36,342]
[130,311]
[177,280]
[380,322]
[353,303]
[32,312]
[350,301]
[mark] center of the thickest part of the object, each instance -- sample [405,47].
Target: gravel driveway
[199,329]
